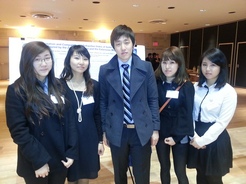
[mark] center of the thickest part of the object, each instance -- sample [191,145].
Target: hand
[68,162]
[169,141]
[105,141]
[100,149]
[194,143]
[43,171]
[154,138]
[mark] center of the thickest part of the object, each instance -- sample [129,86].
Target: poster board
[100,53]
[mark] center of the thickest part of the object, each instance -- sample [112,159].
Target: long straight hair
[67,73]
[28,86]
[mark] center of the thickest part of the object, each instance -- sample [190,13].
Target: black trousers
[140,158]
[180,154]
[53,178]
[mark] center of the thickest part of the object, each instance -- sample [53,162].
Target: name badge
[87,100]
[54,100]
[172,94]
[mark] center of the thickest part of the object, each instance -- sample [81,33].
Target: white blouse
[218,106]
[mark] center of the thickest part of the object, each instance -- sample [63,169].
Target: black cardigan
[176,118]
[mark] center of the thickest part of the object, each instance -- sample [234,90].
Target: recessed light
[140,22]
[42,15]
[203,10]
[171,7]
[232,12]
[157,21]
[96,2]
[135,5]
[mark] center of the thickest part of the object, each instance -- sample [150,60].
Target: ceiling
[84,15]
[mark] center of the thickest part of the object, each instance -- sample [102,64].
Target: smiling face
[123,48]
[42,65]
[210,70]
[79,63]
[169,69]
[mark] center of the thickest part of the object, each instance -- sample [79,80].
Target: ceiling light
[158,21]
[96,2]
[42,15]
[171,7]
[203,10]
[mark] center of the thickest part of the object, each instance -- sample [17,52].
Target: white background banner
[100,53]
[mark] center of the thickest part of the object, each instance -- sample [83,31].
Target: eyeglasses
[39,61]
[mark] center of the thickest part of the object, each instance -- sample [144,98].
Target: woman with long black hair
[39,119]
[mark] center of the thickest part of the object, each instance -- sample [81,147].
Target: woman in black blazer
[39,120]
[176,117]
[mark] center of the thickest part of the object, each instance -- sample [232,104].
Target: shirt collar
[205,84]
[129,62]
[44,85]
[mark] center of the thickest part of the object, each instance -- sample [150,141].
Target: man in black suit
[134,133]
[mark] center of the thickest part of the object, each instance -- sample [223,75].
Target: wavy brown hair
[173,53]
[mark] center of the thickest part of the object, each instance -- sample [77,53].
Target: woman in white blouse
[214,106]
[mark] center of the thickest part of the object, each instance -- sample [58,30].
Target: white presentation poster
[100,53]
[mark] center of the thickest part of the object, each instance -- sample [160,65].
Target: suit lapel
[137,75]
[115,82]
[114,78]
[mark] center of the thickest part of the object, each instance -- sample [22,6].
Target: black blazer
[47,140]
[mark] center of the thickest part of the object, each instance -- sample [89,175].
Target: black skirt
[216,158]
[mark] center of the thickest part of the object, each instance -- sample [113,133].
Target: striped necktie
[126,95]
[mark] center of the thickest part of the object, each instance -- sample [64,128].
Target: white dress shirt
[218,106]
